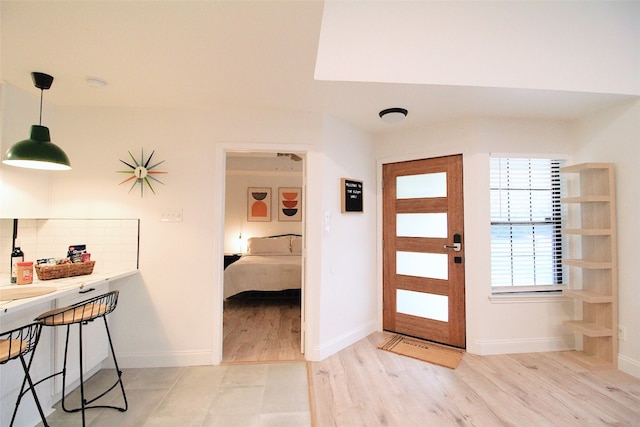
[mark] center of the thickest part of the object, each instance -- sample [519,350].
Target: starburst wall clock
[142,172]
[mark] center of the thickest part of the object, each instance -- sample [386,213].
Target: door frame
[379,228]
[218,187]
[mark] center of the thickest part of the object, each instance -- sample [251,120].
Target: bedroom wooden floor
[262,327]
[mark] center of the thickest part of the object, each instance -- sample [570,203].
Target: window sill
[527,297]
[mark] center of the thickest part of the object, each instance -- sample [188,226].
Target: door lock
[457,243]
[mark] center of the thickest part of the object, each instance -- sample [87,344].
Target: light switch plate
[171,215]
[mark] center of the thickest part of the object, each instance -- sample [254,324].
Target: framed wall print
[290,204]
[259,204]
[351,195]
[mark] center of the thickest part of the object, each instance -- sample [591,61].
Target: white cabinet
[591,239]
[95,345]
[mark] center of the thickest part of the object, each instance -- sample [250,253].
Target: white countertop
[64,286]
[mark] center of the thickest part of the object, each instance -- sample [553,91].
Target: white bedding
[263,273]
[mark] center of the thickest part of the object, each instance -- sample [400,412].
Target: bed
[272,263]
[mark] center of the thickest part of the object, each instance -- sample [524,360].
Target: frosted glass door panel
[434,266]
[419,186]
[421,225]
[429,306]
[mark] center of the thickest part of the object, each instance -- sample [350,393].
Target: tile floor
[247,395]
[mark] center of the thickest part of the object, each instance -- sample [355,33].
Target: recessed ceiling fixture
[393,115]
[96,82]
[38,152]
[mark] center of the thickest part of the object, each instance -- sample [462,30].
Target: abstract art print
[259,204]
[290,204]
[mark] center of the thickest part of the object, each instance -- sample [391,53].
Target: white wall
[569,45]
[493,326]
[236,223]
[343,243]
[613,136]
[169,316]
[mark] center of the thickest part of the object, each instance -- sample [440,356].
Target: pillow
[269,246]
[296,245]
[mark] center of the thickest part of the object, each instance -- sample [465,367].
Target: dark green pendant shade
[37,152]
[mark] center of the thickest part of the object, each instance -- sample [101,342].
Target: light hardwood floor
[262,327]
[364,386]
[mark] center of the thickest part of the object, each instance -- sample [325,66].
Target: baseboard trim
[528,345]
[629,365]
[333,346]
[163,360]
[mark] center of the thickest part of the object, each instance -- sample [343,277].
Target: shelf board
[584,166]
[587,328]
[587,231]
[588,361]
[582,263]
[587,296]
[599,198]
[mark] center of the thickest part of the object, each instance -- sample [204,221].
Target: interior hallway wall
[344,244]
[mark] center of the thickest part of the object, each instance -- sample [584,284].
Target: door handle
[457,243]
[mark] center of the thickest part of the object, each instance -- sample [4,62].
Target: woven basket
[48,272]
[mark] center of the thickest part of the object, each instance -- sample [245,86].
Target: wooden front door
[423,255]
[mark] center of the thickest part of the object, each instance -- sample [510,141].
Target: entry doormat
[424,350]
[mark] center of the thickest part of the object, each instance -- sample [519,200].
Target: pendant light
[38,152]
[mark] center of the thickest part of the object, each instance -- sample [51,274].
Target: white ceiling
[246,54]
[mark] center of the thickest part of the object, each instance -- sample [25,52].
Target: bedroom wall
[613,135]
[236,224]
[493,325]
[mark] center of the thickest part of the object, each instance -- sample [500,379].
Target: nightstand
[230,259]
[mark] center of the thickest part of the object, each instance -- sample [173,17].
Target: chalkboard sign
[351,195]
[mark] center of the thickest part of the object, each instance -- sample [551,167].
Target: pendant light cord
[41,94]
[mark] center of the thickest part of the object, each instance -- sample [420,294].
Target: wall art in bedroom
[290,204]
[259,204]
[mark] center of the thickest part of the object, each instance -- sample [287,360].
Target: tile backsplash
[112,243]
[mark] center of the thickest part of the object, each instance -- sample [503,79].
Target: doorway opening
[263,308]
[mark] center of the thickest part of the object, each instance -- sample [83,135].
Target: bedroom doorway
[262,321]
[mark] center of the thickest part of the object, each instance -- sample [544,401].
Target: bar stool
[80,314]
[15,344]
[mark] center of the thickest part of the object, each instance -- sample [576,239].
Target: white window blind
[526,244]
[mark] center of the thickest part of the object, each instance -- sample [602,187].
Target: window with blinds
[526,244]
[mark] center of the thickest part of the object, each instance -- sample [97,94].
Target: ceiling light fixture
[96,82]
[38,152]
[393,115]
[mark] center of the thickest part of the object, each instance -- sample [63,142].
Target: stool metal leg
[84,403]
[118,371]
[27,378]
[27,338]
[80,314]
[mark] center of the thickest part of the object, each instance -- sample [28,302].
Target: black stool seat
[80,314]
[16,344]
